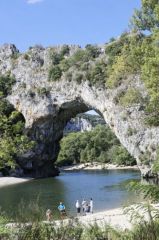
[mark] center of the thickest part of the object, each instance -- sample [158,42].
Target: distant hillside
[83,122]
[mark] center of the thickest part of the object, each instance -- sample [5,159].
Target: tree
[148,17]
[13,141]
[95,145]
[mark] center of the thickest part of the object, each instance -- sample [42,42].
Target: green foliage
[78,77]
[74,231]
[92,51]
[150,73]
[79,57]
[149,191]
[55,73]
[65,65]
[95,232]
[131,96]
[97,74]
[114,48]
[6,83]
[133,54]
[56,58]
[4,231]
[33,212]
[145,158]
[13,142]
[100,145]
[120,156]
[65,50]
[147,17]
[136,54]
[125,58]
[43,91]
[156,162]
[41,231]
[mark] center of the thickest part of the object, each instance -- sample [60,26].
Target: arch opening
[89,140]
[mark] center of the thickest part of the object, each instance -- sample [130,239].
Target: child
[48,214]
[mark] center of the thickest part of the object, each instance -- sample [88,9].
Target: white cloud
[33,1]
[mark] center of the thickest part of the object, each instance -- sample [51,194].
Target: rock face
[47,112]
[82,123]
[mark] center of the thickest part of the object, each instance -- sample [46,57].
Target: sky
[53,22]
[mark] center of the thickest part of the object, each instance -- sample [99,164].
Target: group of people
[85,207]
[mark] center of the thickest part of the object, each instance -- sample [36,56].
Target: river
[104,186]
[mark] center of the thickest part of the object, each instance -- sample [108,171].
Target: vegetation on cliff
[99,145]
[13,141]
[135,53]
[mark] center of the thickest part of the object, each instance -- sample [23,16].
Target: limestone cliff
[47,106]
[83,122]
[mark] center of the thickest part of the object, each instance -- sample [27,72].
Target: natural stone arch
[46,120]
[47,113]
[47,132]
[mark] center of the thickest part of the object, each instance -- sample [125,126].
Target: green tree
[119,155]
[13,141]
[147,17]
[100,145]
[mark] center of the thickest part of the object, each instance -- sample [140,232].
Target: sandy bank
[5,181]
[120,218]
[96,166]
[114,217]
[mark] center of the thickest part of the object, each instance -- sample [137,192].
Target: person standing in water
[62,210]
[48,215]
[84,205]
[91,205]
[78,207]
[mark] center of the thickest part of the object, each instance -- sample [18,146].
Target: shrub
[152,114]
[43,91]
[97,73]
[131,96]
[120,156]
[55,73]
[26,57]
[6,83]
[92,51]
[116,72]
[114,48]
[65,50]
[79,57]
[68,76]
[56,58]
[78,77]
[65,65]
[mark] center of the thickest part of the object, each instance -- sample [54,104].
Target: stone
[46,115]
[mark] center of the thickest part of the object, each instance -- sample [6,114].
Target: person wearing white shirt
[91,205]
[78,207]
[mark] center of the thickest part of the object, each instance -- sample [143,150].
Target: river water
[104,186]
